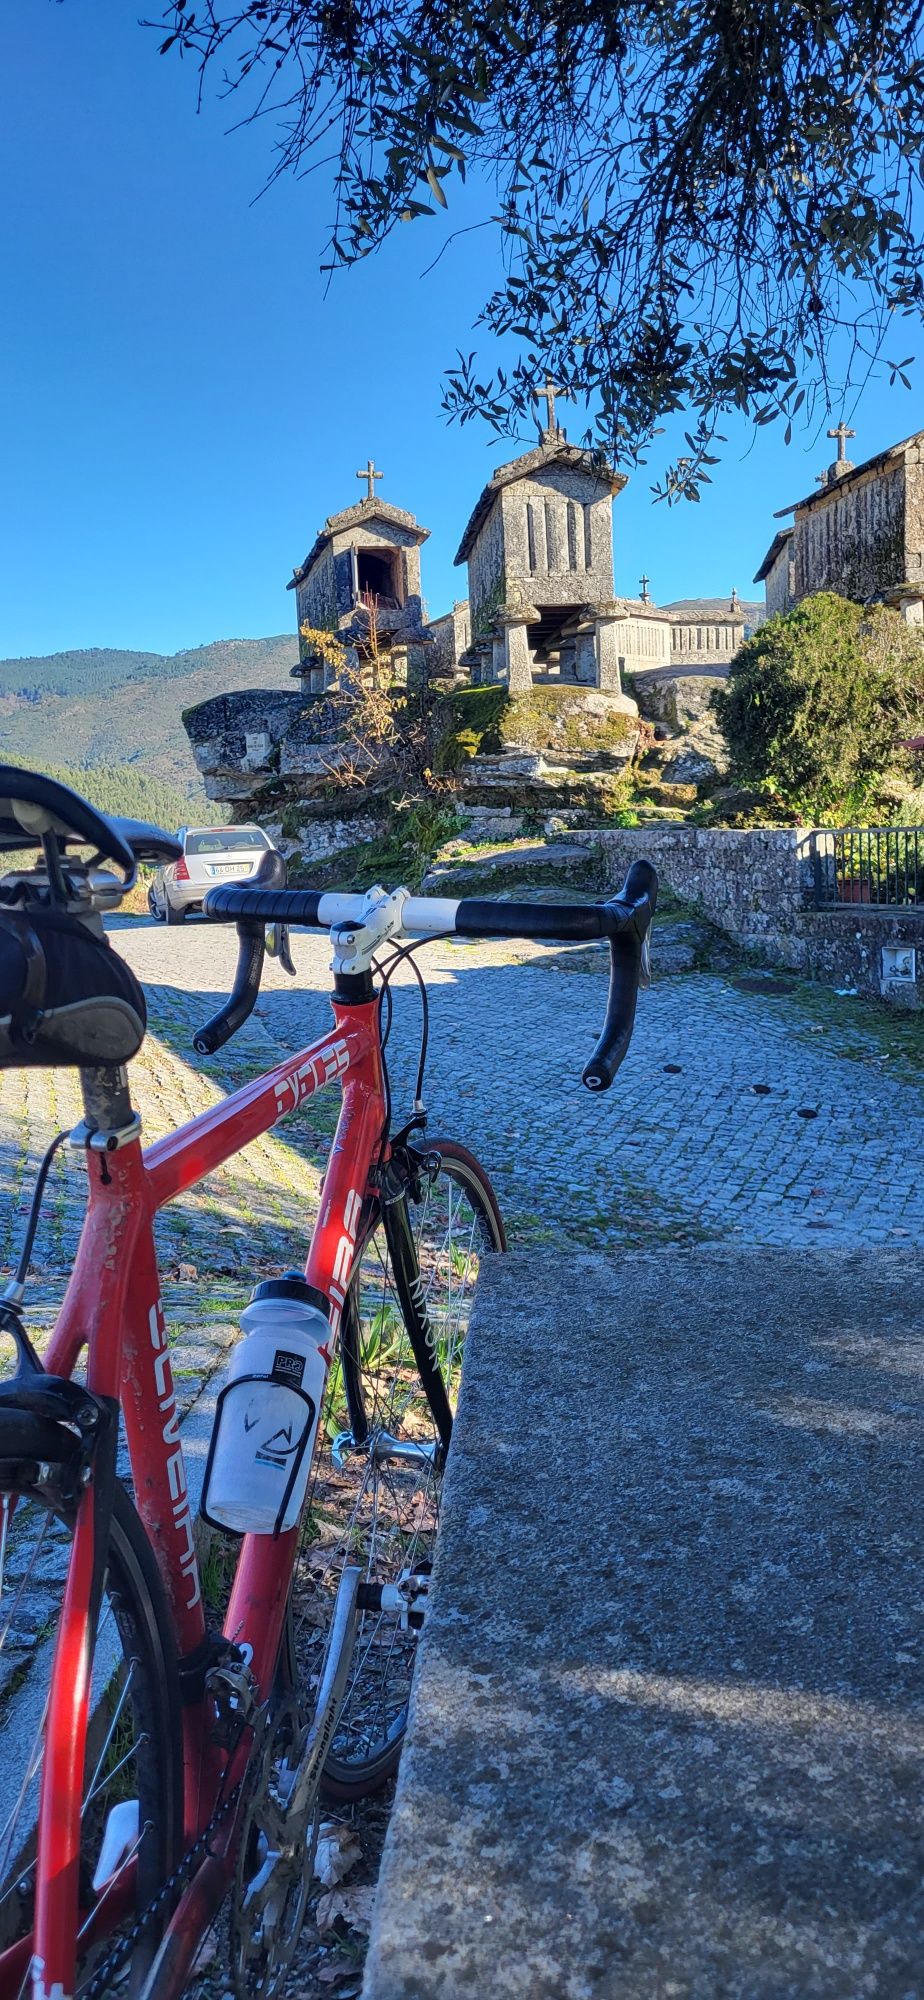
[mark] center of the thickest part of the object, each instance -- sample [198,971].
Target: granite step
[668,1729]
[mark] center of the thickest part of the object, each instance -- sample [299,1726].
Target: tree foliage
[703,207]
[125,790]
[817,702]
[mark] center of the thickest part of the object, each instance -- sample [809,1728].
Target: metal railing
[878,865]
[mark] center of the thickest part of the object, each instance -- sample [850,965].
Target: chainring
[275,1862]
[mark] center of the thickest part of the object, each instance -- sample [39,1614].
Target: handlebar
[624,920]
[269,882]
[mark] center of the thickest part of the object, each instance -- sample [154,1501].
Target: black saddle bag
[66,998]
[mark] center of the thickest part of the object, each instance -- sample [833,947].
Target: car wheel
[172,914]
[154,906]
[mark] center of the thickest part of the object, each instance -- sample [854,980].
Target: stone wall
[486,572]
[706,639]
[451,635]
[558,537]
[851,538]
[780,581]
[324,596]
[757,886]
[914,514]
[644,642]
[752,884]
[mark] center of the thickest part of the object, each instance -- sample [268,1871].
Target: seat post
[107,1104]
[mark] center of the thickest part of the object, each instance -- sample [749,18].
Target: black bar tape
[244,993]
[269,906]
[566,923]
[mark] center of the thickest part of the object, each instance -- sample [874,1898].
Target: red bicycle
[155,1762]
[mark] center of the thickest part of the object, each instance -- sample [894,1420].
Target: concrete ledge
[668,1730]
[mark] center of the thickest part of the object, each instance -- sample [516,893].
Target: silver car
[210,854]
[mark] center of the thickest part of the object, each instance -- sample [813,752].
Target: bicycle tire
[380,1512]
[136,1702]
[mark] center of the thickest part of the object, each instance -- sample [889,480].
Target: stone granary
[360,582]
[861,534]
[539,550]
[543,608]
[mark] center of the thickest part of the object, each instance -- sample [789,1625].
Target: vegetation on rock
[818,702]
[403,853]
[482,721]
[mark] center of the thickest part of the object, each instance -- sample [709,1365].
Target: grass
[402,855]
[862,1030]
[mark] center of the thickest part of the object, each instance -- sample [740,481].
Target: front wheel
[376,1494]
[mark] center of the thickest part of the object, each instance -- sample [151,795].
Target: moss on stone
[563,719]
[471,728]
[480,721]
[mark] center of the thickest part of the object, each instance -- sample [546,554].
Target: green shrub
[817,703]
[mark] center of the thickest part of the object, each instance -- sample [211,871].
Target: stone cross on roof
[644,581]
[369,473]
[550,390]
[841,432]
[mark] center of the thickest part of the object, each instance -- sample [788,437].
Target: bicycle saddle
[32,806]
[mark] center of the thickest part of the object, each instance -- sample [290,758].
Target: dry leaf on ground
[338,1850]
[353,1905]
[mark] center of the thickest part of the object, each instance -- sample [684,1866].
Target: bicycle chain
[100,1986]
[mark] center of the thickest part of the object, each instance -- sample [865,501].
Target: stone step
[549,854]
[667,1735]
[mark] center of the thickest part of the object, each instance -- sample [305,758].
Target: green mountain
[106,707]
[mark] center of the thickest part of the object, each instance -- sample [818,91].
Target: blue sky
[182,406]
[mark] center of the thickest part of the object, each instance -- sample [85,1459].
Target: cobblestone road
[738,1115]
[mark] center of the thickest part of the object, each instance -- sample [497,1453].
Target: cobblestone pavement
[738,1115]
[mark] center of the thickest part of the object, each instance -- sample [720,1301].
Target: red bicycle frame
[113,1308]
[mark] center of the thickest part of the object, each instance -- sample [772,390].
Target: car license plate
[231,868]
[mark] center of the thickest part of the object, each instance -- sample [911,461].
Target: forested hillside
[124,789]
[112,708]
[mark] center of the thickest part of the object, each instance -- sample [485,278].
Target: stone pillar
[609,618]
[513,621]
[400,673]
[329,675]
[516,657]
[316,680]
[498,657]
[585,661]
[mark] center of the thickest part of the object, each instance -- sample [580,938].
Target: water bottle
[267,1417]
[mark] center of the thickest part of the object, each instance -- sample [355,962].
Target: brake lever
[278,946]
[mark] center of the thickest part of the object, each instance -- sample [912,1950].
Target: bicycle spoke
[382,1508]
